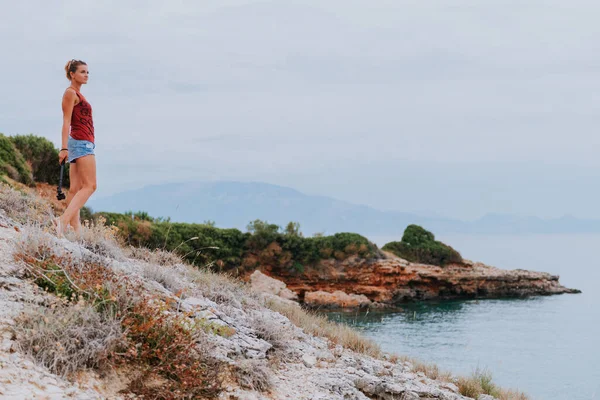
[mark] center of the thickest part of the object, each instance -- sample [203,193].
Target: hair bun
[72,66]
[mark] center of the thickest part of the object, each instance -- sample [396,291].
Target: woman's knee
[88,185]
[92,186]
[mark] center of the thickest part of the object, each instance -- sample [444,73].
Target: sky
[453,108]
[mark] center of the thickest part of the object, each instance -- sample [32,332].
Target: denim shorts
[79,148]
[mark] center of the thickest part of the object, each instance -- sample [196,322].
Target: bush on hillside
[86,213]
[339,246]
[12,162]
[200,244]
[262,234]
[288,248]
[67,339]
[111,218]
[293,229]
[42,156]
[419,245]
[264,243]
[140,215]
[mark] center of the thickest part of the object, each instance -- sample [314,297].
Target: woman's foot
[77,234]
[58,227]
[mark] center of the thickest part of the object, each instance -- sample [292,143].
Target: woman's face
[81,75]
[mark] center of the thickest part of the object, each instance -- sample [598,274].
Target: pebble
[309,361]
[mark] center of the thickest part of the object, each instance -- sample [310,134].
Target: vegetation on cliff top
[419,245]
[229,249]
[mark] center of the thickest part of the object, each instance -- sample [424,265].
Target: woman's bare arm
[68,102]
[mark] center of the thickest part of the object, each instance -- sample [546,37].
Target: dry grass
[68,338]
[221,288]
[101,239]
[431,371]
[28,209]
[36,243]
[157,256]
[254,375]
[512,395]
[24,208]
[167,277]
[166,344]
[158,338]
[480,382]
[319,325]
[469,387]
[274,331]
[171,271]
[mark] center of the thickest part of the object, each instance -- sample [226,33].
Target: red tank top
[82,125]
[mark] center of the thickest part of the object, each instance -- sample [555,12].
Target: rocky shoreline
[391,281]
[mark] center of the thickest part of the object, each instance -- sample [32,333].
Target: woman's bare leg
[73,189]
[86,174]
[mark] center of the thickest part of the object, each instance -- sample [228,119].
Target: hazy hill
[234,204]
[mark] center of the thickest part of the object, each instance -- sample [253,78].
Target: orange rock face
[335,299]
[394,280]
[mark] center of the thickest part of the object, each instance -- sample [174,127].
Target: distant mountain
[234,204]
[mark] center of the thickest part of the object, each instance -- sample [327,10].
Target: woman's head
[77,71]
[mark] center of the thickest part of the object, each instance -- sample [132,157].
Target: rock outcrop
[262,283]
[335,299]
[392,280]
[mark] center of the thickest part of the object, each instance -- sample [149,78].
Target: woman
[77,146]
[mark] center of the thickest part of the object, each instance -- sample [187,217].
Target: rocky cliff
[386,282]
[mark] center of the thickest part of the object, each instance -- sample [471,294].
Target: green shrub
[86,213]
[42,156]
[12,162]
[203,244]
[111,218]
[262,234]
[293,229]
[140,216]
[419,245]
[200,244]
[307,251]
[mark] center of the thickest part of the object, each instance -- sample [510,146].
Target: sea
[547,347]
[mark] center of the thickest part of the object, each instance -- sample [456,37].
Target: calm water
[548,347]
